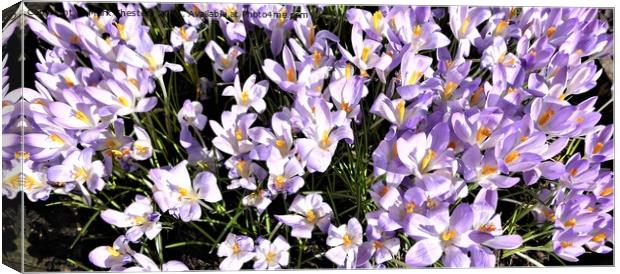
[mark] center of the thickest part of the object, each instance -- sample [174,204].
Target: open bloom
[249,96]
[79,167]
[146,264]
[310,211]
[191,115]
[224,64]
[138,217]
[271,255]
[345,241]
[176,193]
[237,250]
[114,256]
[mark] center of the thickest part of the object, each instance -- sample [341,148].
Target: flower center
[400,109]
[365,53]
[238,135]
[410,207]
[570,223]
[464,26]
[448,235]
[245,97]
[310,216]
[325,142]
[487,228]
[22,155]
[428,157]
[501,26]
[113,251]
[449,88]
[316,58]
[488,169]
[290,75]
[346,241]
[139,220]
[377,244]
[512,156]
[151,61]
[414,77]
[566,244]
[236,248]
[545,117]
[417,31]
[68,81]
[121,31]
[56,139]
[599,237]
[597,148]
[606,191]
[280,181]
[345,106]
[482,134]
[183,33]
[80,174]
[81,116]
[270,256]
[376,20]
[550,31]
[123,101]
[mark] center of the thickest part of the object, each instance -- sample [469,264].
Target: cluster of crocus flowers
[467,120]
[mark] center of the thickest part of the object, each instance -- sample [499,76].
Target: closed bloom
[345,241]
[599,145]
[237,250]
[191,115]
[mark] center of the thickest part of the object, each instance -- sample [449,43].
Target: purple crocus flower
[381,244]
[244,172]
[422,154]
[599,145]
[484,170]
[601,234]
[119,96]
[79,167]
[285,177]
[184,36]
[345,241]
[146,264]
[579,174]
[176,193]
[323,136]
[287,77]
[464,22]
[237,250]
[114,256]
[191,115]
[310,211]
[261,198]
[397,112]
[373,24]
[138,217]
[568,244]
[442,235]
[249,96]
[232,134]
[274,145]
[224,64]
[365,55]
[270,255]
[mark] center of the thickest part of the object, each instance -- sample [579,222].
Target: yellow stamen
[448,88]
[80,174]
[121,31]
[68,81]
[414,77]
[236,248]
[280,143]
[573,172]
[31,183]
[280,181]
[464,26]
[376,20]
[550,31]
[81,116]
[579,120]
[290,75]
[183,33]
[123,101]
[487,228]
[74,40]
[282,18]
[139,220]
[512,156]
[240,165]
[570,223]
[151,61]
[482,134]
[316,58]
[597,148]
[410,207]
[347,71]
[346,241]
[501,26]
[400,109]
[325,142]
[476,96]
[269,257]
[57,139]
[310,216]
[238,135]
[606,191]
[365,53]
[546,116]
[488,169]
[345,106]
[448,235]
[430,155]
[549,215]
[417,31]
[245,97]
[566,244]
[113,251]
[134,82]
[377,244]
[430,203]
[22,155]
[599,237]
[311,35]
